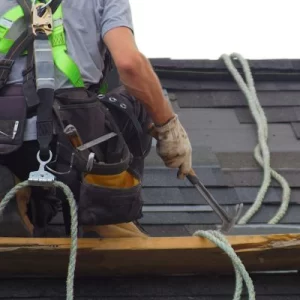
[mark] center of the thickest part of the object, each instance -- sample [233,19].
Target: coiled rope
[74,227]
[262,156]
[261,151]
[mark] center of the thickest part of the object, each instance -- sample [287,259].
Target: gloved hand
[173,146]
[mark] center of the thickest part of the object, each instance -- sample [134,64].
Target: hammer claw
[227,221]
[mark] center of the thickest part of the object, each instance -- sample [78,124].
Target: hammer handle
[193,178]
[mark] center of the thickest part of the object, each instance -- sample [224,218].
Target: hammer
[227,221]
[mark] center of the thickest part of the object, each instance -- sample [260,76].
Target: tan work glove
[173,146]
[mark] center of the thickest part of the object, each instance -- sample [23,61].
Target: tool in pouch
[77,143]
[227,222]
[42,26]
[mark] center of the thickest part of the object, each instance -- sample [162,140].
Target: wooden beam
[155,256]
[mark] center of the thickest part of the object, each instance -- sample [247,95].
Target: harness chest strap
[58,42]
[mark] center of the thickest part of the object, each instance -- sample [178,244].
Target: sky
[197,29]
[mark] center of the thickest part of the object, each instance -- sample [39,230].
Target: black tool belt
[98,203]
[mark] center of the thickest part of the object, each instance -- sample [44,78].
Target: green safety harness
[35,46]
[57,38]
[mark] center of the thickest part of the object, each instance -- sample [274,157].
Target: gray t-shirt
[85,23]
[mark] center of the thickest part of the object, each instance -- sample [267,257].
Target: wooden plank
[178,255]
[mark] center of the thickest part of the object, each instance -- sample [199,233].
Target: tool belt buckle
[43,23]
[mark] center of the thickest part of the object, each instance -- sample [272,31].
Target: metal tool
[76,142]
[73,135]
[97,141]
[42,177]
[227,221]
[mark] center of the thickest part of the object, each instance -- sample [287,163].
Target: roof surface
[151,288]
[223,135]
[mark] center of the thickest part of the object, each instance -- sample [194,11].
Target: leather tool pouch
[110,191]
[13,113]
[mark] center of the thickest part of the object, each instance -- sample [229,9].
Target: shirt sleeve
[116,13]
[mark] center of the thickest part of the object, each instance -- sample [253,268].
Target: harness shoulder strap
[20,45]
[59,47]
[58,41]
[6,22]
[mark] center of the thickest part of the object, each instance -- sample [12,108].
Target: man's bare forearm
[141,82]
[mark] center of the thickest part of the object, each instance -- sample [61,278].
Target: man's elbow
[131,65]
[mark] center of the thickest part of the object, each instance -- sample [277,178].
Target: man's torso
[82,22]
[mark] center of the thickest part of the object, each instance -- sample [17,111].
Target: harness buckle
[42,177]
[42,20]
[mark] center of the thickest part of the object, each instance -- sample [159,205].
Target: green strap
[6,22]
[59,47]
[58,41]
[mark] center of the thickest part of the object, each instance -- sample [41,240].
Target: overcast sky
[207,28]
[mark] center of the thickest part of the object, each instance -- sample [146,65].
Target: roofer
[51,107]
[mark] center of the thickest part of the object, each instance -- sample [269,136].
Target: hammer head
[227,226]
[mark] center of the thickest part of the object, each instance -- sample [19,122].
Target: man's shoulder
[7,5]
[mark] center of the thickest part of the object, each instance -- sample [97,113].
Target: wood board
[146,256]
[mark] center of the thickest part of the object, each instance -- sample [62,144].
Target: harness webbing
[58,41]
[6,22]
[59,47]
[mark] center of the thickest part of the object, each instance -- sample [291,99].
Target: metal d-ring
[44,162]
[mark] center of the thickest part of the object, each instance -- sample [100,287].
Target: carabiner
[43,6]
[46,4]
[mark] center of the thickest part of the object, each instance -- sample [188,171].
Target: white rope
[261,152]
[74,227]
[240,270]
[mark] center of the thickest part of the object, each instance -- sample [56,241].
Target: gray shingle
[273,114]
[214,85]
[263,216]
[164,177]
[248,195]
[222,195]
[163,196]
[254,178]
[161,298]
[152,287]
[202,156]
[214,118]
[295,195]
[244,138]
[246,160]
[166,230]
[235,99]
[296,129]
